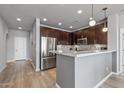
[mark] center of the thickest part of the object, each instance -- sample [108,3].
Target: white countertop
[82,53]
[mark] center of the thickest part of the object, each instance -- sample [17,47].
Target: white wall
[10,43]
[3,34]
[113,40]
[113,29]
[121,28]
[35,44]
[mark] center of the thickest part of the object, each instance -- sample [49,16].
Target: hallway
[22,75]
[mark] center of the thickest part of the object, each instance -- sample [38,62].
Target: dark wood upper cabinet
[61,36]
[94,35]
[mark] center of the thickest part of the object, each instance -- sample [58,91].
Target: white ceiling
[65,13]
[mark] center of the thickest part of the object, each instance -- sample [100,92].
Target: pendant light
[92,22]
[105,29]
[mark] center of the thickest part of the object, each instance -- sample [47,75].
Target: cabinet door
[101,36]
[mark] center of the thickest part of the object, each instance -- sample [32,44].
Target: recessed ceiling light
[71,27]
[79,11]
[60,23]
[91,18]
[19,27]
[44,19]
[18,19]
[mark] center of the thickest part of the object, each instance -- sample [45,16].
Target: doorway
[20,48]
[122,50]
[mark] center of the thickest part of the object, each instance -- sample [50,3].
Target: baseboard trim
[103,80]
[100,83]
[57,85]
[114,73]
[3,68]
[37,69]
[30,60]
[13,60]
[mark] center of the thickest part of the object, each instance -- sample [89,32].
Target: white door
[122,50]
[20,48]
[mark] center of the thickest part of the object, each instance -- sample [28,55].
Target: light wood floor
[21,74]
[114,81]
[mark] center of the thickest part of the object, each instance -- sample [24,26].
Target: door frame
[120,49]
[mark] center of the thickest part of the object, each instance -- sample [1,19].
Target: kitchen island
[82,69]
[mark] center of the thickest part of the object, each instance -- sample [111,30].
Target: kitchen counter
[82,53]
[82,69]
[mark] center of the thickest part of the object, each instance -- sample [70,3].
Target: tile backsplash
[67,48]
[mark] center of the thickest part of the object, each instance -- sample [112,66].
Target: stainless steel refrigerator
[48,59]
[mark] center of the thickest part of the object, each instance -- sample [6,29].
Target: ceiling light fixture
[92,22]
[18,19]
[44,19]
[19,27]
[105,29]
[59,23]
[71,27]
[79,11]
